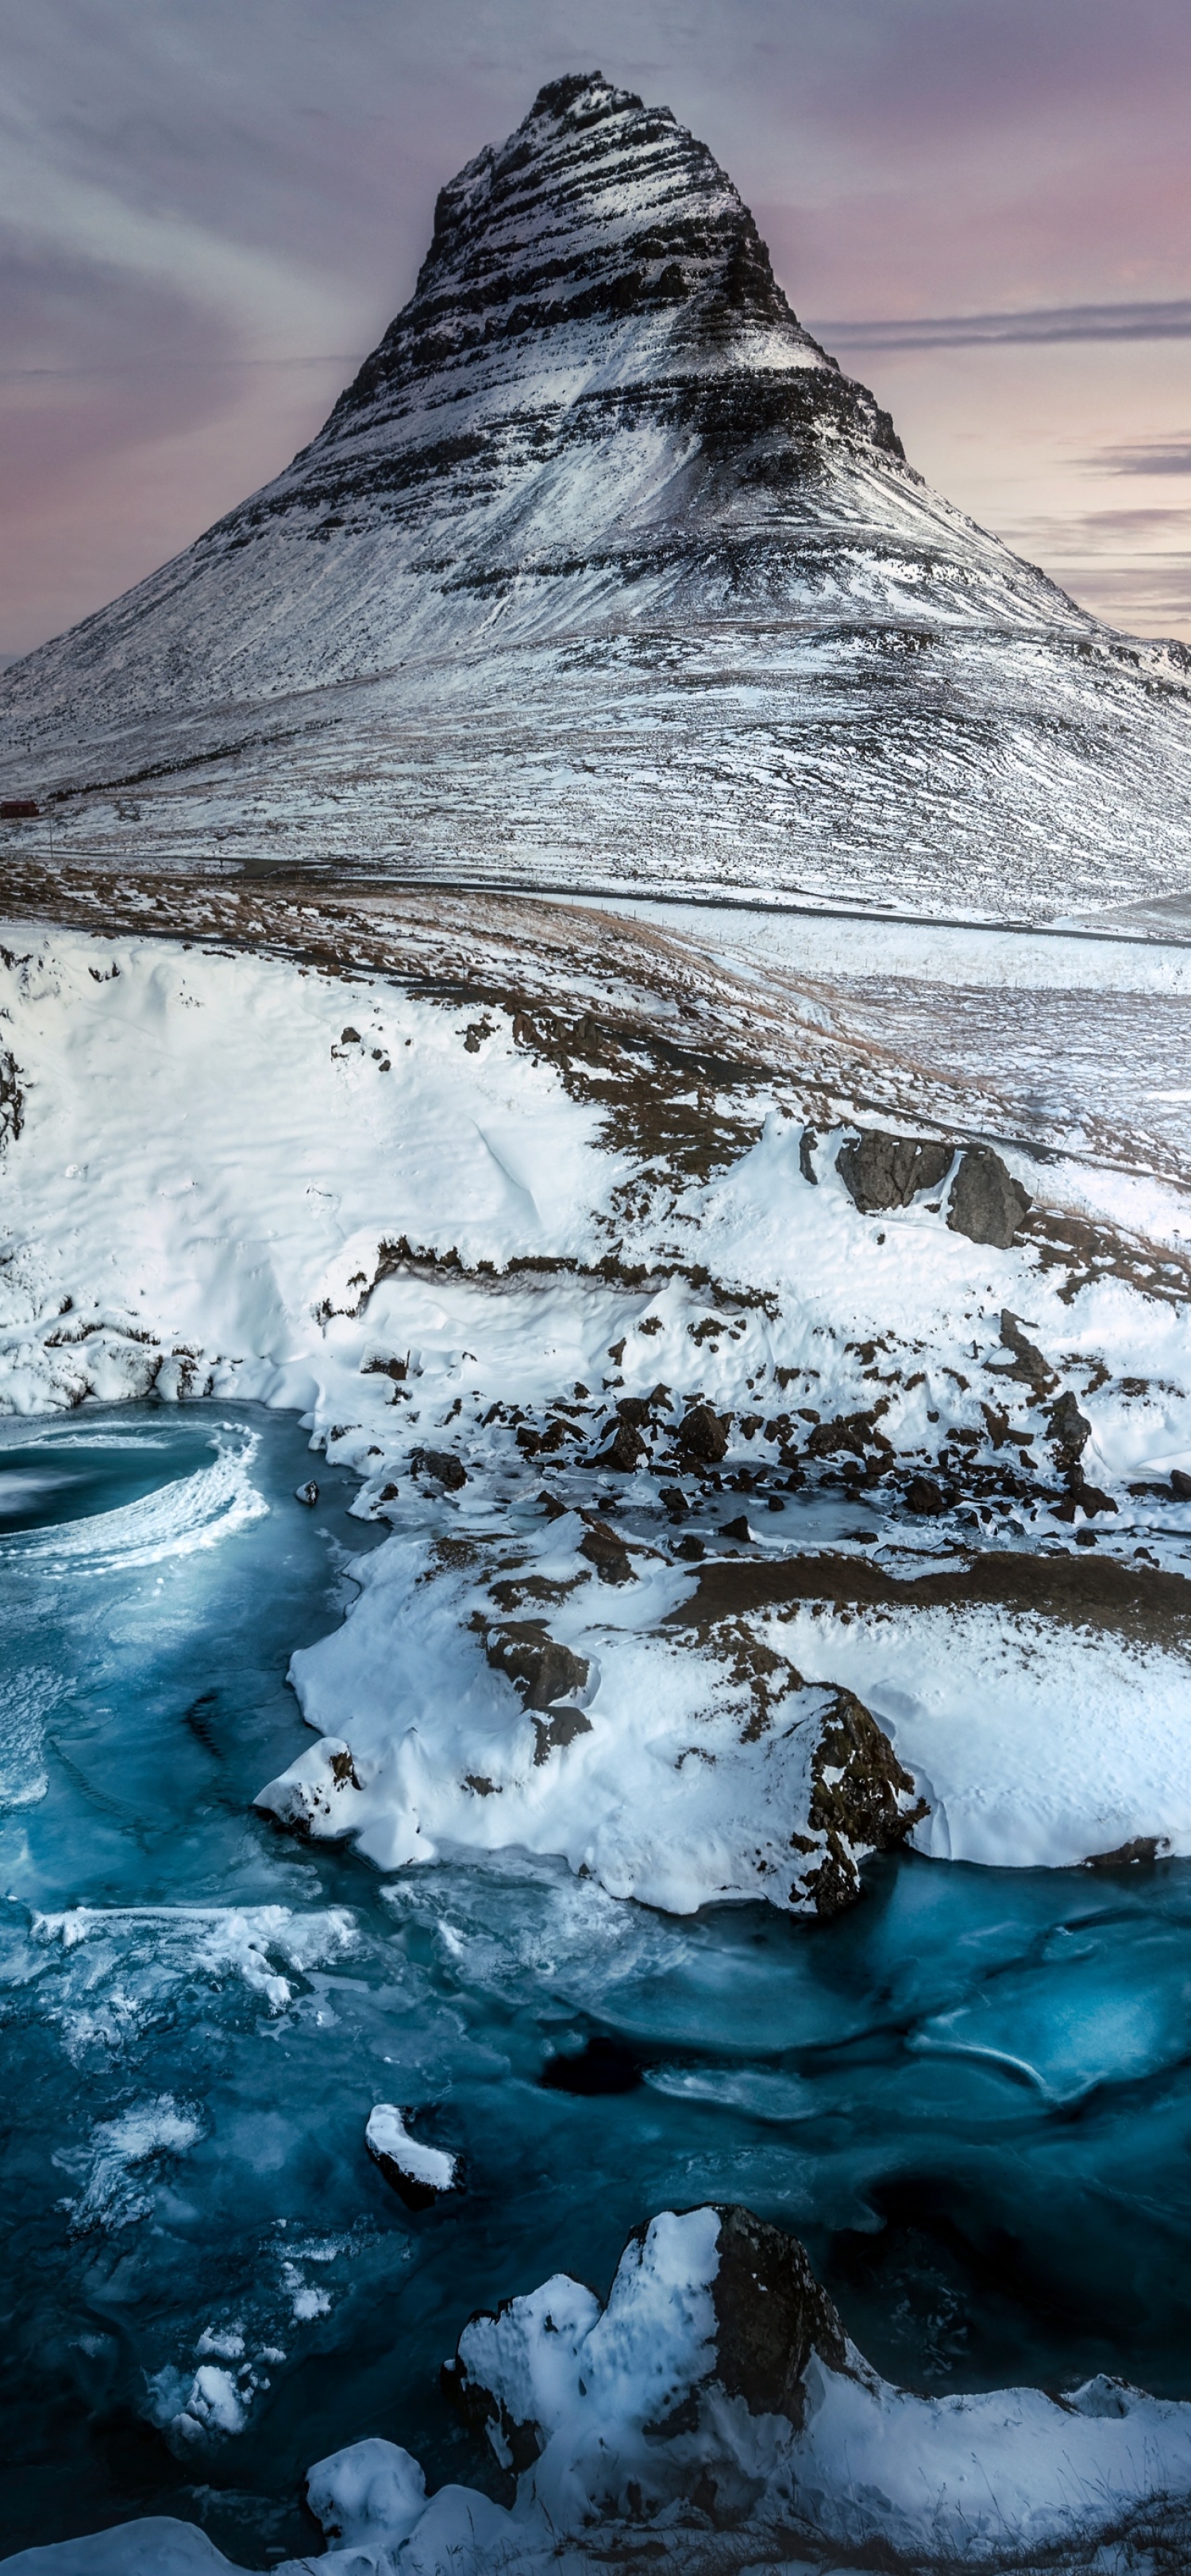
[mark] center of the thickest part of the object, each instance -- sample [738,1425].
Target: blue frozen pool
[971,2095]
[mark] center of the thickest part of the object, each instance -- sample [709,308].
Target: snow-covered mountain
[601,572]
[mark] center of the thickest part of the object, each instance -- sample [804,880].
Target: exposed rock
[704,1434]
[1088,1499]
[768,2315]
[987,1204]
[855,1432]
[442,1466]
[738,1528]
[1029,1364]
[771,2314]
[606,1550]
[307,1493]
[883,1171]
[420,2174]
[808,1144]
[1180,1485]
[555,1732]
[924,1496]
[1144,1849]
[1070,1431]
[534,1661]
[625,1450]
[863,1801]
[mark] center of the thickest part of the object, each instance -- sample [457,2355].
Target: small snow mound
[419,2173]
[372,2491]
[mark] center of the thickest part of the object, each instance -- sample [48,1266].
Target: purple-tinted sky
[211,208]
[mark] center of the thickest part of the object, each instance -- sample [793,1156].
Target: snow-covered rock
[421,2174]
[718,2376]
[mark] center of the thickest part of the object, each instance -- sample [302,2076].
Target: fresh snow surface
[601,573]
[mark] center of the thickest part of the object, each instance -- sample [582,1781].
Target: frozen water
[971,2095]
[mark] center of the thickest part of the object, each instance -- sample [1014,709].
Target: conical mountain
[602,571]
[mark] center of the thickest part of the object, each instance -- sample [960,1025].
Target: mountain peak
[600,219]
[602,569]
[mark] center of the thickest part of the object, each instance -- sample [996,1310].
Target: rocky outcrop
[863,1801]
[882,1171]
[542,1670]
[604,1548]
[1028,1363]
[986,1203]
[761,2317]
[1070,1431]
[441,1466]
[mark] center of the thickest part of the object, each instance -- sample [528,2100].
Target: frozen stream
[972,2095]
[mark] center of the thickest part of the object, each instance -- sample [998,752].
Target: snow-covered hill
[602,573]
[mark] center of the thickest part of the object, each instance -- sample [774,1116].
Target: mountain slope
[601,572]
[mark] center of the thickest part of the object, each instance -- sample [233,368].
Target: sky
[210,210]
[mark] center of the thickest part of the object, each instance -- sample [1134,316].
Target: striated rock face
[601,571]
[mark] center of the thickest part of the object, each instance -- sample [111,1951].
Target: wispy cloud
[1102,531]
[1042,323]
[1153,456]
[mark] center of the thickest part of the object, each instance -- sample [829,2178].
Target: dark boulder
[535,1663]
[1180,1484]
[625,1450]
[858,1433]
[1028,1362]
[1088,1499]
[442,1466]
[419,2174]
[552,1734]
[987,1204]
[925,1497]
[863,1801]
[1070,1431]
[882,1171]
[703,1434]
[606,1550]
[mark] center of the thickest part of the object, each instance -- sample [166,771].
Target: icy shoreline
[459,1271]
